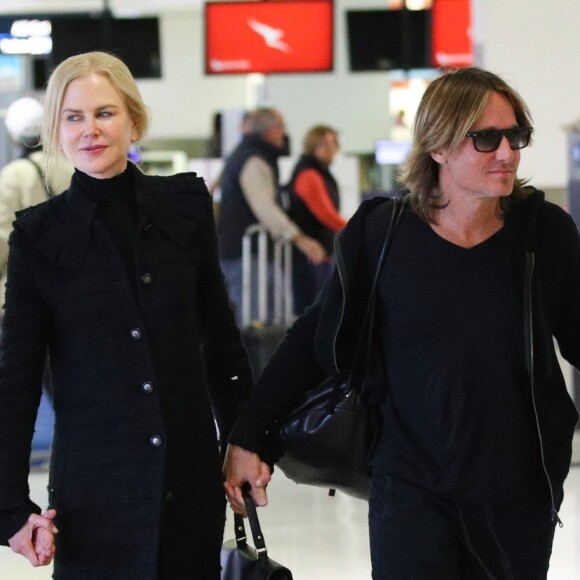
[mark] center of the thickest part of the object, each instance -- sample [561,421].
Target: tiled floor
[320,538]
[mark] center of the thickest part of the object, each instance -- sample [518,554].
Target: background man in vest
[249,185]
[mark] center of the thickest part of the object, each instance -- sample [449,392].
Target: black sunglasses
[488,140]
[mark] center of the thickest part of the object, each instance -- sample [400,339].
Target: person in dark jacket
[119,278]
[481,277]
[314,206]
[250,195]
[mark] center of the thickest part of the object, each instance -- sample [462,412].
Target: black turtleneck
[117,210]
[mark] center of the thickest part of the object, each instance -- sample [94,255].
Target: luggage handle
[282,282]
[282,289]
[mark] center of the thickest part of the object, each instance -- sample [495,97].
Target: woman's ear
[134,133]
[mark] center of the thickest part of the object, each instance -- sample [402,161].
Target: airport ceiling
[118,7]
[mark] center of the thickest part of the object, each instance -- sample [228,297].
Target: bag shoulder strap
[49,192]
[366,328]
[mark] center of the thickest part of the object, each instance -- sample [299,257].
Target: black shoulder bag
[326,440]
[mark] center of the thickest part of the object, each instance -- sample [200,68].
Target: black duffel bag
[328,438]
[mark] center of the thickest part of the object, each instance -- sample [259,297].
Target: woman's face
[326,148]
[95,129]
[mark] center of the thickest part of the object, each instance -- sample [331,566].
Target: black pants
[416,535]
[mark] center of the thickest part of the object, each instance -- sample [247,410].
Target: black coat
[138,366]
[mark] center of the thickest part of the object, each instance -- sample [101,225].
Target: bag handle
[240,529]
[48,191]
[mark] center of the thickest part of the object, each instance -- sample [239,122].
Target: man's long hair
[448,110]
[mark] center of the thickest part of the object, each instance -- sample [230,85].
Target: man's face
[276,133]
[467,172]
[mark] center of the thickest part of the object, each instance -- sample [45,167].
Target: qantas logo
[272,36]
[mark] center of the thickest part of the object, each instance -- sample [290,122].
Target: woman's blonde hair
[448,109]
[314,136]
[82,65]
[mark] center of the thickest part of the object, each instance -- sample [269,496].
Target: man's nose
[504,151]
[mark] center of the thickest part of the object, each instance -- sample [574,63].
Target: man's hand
[243,466]
[35,540]
[311,247]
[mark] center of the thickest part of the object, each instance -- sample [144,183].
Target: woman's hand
[243,466]
[35,540]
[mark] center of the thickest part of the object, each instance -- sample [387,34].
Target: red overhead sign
[266,37]
[451,42]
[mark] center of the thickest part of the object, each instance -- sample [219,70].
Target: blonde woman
[119,279]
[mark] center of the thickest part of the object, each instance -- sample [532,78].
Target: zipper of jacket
[340,269]
[529,335]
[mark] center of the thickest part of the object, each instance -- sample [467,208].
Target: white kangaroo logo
[272,36]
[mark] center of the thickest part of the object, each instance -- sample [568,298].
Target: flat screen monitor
[390,152]
[25,34]
[134,40]
[388,39]
[275,36]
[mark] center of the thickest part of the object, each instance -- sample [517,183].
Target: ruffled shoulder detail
[60,228]
[55,230]
[178,204]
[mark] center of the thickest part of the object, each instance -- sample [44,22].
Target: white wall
[535,44]
[532,43]
[182,104]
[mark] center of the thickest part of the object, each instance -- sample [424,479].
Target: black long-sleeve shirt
[459,419]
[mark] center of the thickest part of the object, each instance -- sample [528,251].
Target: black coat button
[155,441]
[146,279]
[147,387]
[136,334]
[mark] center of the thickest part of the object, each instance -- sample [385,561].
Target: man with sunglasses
[482,275]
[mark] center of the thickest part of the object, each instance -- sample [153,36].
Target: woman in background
[22,182]
[314,204]
[119,278]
